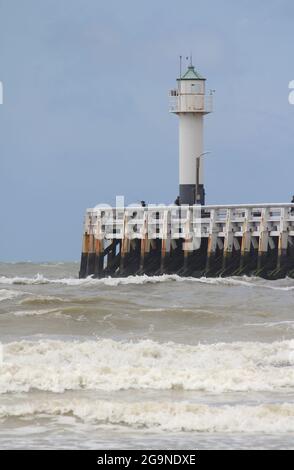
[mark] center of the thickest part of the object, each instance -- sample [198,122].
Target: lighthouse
[190,103]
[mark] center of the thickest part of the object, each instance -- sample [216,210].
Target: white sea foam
[164,415]
[159,309]
[281,288]
[40,279]
[42,299]
[111,365]
[289,323]
[6,294]
[52,265]
[144,279]
[31,313]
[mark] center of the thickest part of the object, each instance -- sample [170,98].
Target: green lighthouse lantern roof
[191,74]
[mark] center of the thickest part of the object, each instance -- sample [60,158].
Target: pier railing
[262,232]
[159,222]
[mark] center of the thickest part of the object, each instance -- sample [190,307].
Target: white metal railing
[174,222]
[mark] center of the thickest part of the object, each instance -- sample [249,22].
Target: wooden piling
[282,259]
[99,258]
[84,256]
[246,241]
[91,256]
[212,242]
[228,241]
[145,244]
[263,241]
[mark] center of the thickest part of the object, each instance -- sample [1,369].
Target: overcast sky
[85,113]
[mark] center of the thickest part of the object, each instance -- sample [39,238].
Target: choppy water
[140,362]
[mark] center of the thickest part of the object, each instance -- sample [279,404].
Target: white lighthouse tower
[190,103]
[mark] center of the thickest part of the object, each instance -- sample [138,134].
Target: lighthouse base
[188,194]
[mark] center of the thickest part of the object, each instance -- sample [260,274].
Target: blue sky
[85,113]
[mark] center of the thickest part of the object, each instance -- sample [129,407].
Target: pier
[212,241]
[190,238]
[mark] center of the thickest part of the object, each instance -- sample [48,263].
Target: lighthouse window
[195,88]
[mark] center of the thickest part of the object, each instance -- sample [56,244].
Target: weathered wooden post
[187,241]
[125,244]
[165,241]
[246,241]
[91,256]
[228,241]
[84,256]
[145,244]
[263,240]
[212,241]
[282,260]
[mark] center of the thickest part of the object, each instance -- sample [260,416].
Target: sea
[144,362]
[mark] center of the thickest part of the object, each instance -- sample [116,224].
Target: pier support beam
[283,242]
[187,245]
[228,242]
[91,256]
[263,241]
[99,258]
[245,242]
[145,245]
[165,243]
[212,242]
[84,256]
[125,246]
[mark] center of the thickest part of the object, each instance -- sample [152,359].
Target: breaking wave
[31,313]
[110,365]
[6,294]
[274,324]
[40,279]
[43,300]
[144,279]
[164,415]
